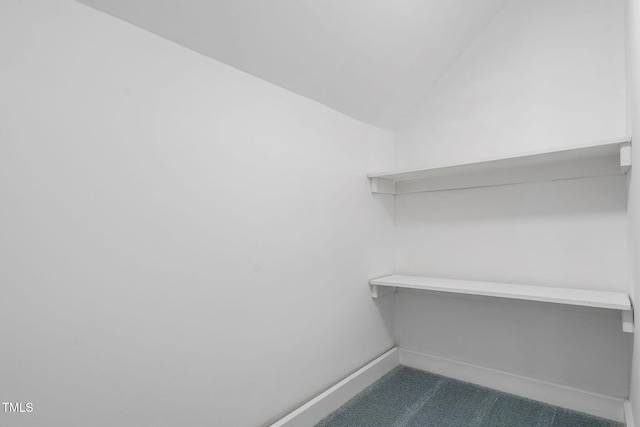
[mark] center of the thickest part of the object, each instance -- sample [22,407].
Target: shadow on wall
[571,197]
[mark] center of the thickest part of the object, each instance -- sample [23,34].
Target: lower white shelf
[580,297]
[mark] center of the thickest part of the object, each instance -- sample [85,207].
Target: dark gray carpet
[407,397]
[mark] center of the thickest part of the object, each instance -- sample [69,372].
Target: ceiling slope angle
[370,59]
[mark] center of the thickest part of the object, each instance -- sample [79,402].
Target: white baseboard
[628,414]
[316,409]
[567,397]
[555,394]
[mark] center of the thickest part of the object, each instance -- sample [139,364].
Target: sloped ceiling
[370,59]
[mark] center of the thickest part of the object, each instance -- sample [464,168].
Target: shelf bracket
[379,290]
[625,157]
[383,186]
[627,321]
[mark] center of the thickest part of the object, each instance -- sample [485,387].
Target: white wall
[633,124]
[181,243]
[568,233]
[544,74]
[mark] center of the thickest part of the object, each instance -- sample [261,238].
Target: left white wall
[181,243]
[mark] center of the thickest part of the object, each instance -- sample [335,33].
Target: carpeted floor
[407,397]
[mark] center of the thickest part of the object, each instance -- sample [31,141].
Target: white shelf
[603,158]
[580,297]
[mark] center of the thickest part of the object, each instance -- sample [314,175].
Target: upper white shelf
[610,157]
[582,297]
[567,296]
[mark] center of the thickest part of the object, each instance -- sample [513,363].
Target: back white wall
[569,233]
[180,243]
[544,74]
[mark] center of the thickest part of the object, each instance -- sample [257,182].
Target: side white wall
[633,124]
[181,243]
[544,74]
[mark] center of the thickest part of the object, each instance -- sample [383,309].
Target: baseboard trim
[567,397]
[628,414]
[319,407]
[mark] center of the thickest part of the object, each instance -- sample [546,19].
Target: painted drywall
[181,243]
[569,233]
[370,59]
[633,125]
[574,347]
[544,74]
